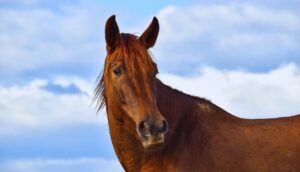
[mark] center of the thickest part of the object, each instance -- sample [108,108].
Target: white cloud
[194,22]
[65,35]
[245,94]
[36,37]
[61,165]
[227,34]
[32,106]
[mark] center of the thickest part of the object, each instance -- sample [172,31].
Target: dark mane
[198,99]
[134,55]
[98,96]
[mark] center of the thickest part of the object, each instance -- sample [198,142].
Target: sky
[244,56]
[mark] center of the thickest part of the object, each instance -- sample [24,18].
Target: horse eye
[117,72]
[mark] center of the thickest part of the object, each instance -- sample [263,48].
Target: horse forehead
[134,56]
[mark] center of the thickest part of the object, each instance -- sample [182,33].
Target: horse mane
[198,99]
[134,56]
[98,96]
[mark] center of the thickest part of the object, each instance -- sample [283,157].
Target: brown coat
[155,128]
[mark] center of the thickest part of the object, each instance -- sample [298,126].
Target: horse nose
[152,128]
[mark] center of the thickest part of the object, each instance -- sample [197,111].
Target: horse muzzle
[152,133]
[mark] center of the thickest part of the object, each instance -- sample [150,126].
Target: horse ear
[112,34]
[149,37]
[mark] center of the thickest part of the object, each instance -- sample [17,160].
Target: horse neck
[184,113]
[178,108]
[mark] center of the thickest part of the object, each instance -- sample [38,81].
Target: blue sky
[242,55]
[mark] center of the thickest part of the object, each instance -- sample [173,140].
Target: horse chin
[153,143]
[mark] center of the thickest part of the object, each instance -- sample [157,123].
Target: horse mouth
[154,146]
[153,143]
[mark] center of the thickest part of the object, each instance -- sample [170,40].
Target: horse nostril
[143,128]
[164,128]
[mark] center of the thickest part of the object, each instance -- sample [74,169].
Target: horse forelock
[135,55]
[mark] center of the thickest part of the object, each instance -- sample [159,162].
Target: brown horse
[154,127]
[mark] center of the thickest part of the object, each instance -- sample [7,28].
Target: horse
[155,128]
